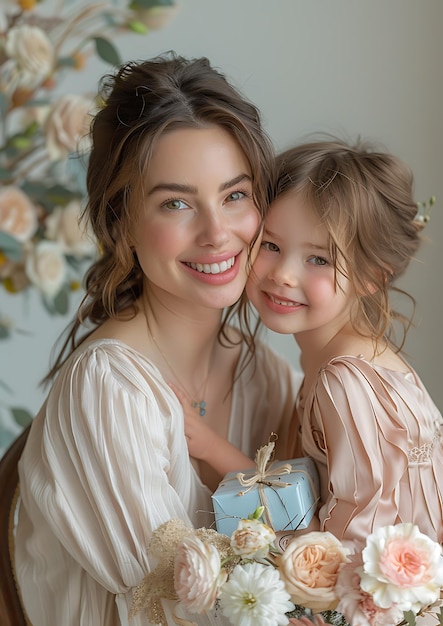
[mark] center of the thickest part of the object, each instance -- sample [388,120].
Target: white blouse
[106,463]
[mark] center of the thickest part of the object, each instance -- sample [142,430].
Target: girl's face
[198,219]
[292,283]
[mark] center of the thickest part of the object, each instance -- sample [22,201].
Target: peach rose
[197,574]
[67,126]
[46,267]
[32,53]
[310,566]
[63,226]
[18,216]
[252,539]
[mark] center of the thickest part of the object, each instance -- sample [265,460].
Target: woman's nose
[214,228]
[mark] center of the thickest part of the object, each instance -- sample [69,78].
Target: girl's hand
[206,445]
[200,437]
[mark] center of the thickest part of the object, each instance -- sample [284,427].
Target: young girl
[178,182]
[342,229]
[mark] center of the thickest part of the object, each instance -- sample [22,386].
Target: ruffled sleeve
[355,432]
[111,468]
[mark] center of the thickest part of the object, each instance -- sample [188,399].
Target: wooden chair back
[11,611]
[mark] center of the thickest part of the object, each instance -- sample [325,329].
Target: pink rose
[310,566]
[358,606]
[402,565]
[18,216]
[197,574]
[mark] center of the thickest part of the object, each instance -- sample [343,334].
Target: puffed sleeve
[355,424]
[111,464]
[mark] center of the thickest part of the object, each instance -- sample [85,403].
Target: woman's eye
[175,205]
[269,246]
[235,195]
[317,260]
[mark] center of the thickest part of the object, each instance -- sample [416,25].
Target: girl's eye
[317,260]
[269,246]
[175,205]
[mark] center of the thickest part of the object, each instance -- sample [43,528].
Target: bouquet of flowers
[252,579]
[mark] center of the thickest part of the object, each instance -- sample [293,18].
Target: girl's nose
[284,272]
[214,228]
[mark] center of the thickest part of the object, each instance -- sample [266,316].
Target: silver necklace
[200,405]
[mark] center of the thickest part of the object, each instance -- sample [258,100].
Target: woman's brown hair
[142,101]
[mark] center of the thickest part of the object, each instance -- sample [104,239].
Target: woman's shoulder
[109,361]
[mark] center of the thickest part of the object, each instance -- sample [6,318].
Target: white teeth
[283,302]
[213,268]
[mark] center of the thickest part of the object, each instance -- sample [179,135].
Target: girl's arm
[206,445]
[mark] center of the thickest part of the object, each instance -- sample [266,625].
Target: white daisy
[255,594]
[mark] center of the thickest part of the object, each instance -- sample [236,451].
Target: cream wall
[342,66]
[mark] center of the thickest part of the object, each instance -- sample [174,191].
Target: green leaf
[21,416]
[257,513]
[440,616]
[65,62]
[107,51]
[61,302]
[409,617]
[11,247]
[137,27]
[3,105]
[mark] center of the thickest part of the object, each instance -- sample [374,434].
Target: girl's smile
[293,283]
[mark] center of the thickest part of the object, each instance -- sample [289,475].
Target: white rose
[252,539]
[18,215]
[63,226]
[32,52]
[67,126]
[46,267]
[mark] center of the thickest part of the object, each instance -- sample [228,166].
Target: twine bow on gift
[264,477]
[264,474]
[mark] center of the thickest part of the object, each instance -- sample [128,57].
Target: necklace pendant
[201,406]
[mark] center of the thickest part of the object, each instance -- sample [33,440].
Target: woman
[178,183]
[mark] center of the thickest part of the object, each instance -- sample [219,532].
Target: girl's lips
[279,304]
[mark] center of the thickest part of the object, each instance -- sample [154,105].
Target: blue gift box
[290,498]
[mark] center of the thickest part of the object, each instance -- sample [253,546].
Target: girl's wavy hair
[141,102]
[364,198]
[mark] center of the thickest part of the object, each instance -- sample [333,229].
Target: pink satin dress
[377,439]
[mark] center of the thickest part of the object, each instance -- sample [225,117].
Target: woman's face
[198,218]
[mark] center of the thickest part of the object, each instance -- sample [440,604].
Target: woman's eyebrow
[183,188]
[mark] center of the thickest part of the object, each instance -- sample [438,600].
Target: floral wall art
[43,151]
